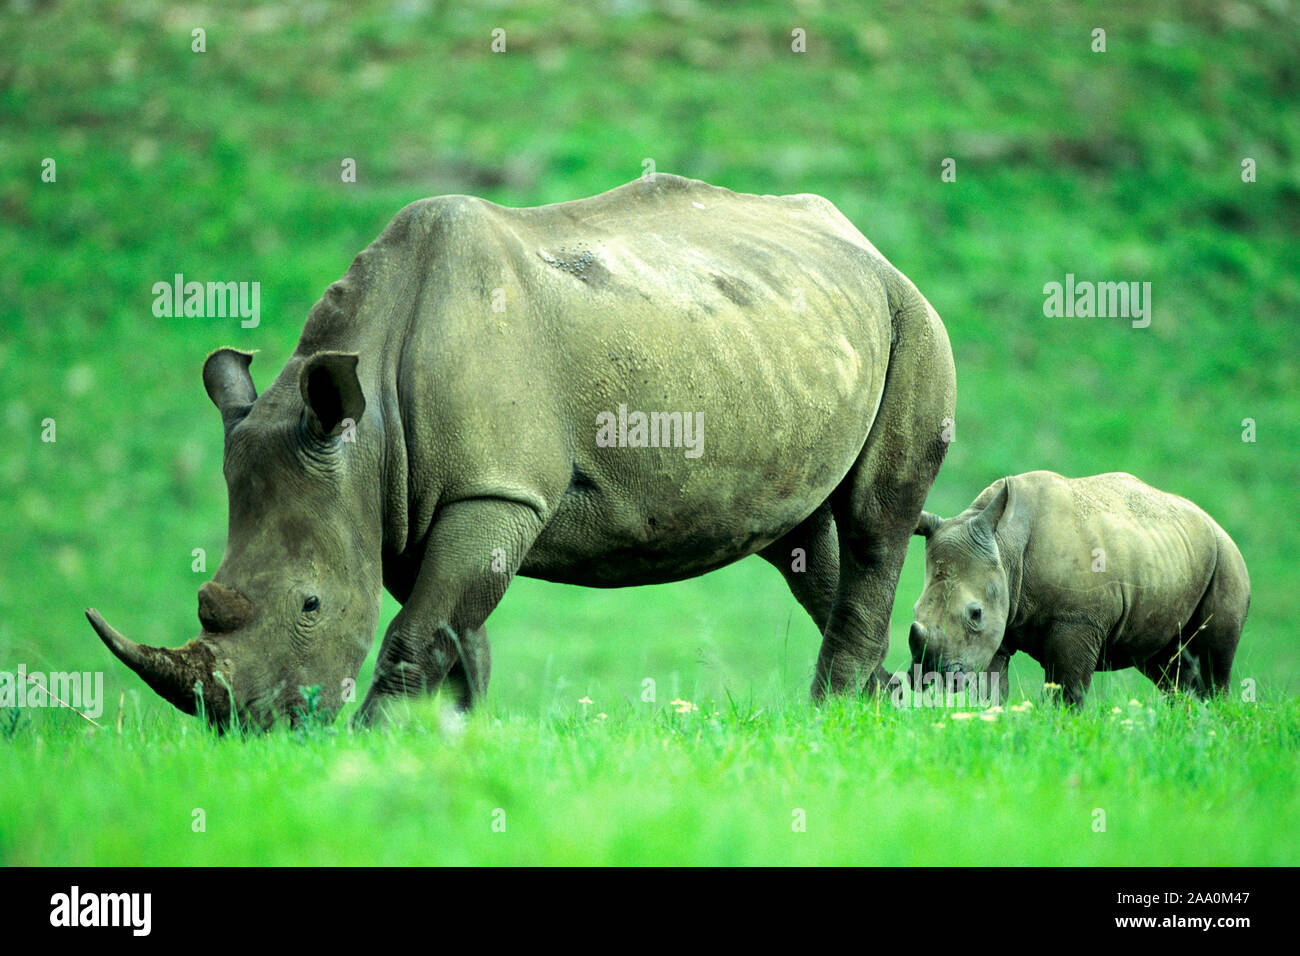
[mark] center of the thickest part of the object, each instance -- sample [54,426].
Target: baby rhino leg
[1070,655]
[1200,660]
[1176,666]
[1223,613]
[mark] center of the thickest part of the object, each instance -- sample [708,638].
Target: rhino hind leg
[1200,660]
[856,637]
[1215,653]
[1175,667]
[877,505]
[472,553]
[809,559]
[1225,606]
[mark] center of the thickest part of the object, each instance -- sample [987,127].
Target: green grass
[1161,783]
[225,165]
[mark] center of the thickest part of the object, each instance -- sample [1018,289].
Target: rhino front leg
[414,662]
[1070,654]
[998,678]
[470,674]
[473,551]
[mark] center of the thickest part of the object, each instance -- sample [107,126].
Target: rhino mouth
[951,671]
[197,679]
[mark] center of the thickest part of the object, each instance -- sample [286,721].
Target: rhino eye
[311,604]
[974,615]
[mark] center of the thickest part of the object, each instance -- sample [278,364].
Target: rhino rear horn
[176,675]
[229,384]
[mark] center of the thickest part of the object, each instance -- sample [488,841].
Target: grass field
[1123,165]
[1157,784]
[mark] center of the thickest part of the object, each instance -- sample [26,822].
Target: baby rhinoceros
[1082,574]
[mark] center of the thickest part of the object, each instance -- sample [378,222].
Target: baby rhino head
[960,618]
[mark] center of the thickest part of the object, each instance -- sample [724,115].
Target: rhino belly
[603,536]
[642,515]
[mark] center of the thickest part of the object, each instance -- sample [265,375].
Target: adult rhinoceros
[476,399]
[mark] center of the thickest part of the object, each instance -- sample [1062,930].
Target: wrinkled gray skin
[1018,571]
[824,378]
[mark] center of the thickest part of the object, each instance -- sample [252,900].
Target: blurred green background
[1124,165]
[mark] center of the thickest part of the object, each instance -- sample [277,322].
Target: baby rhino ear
[331,392]
[927,524]
[1001,513]
[995,509]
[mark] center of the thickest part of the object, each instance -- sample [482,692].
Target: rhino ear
[927,524]
[229,384]
[331,392]
[996,510]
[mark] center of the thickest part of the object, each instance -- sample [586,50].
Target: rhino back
[767,317]
[1112,549]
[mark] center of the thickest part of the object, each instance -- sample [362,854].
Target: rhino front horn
[173,674]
